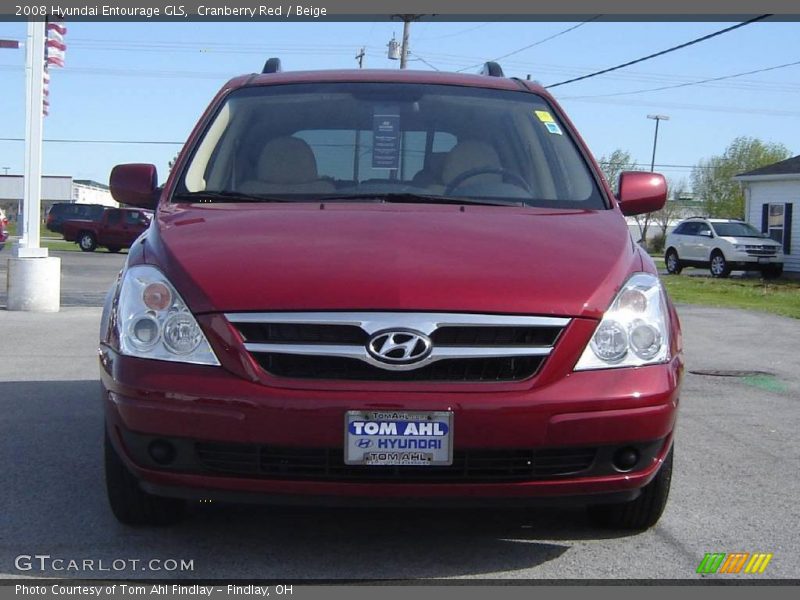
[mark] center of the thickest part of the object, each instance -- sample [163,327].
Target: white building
[86,191]
[771,194]
[54,189]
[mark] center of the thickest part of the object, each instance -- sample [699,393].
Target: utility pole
[357,149]
[407,19]
[404,47]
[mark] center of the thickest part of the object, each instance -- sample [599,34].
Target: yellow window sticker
[545,116]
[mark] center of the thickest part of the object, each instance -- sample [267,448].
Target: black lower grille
[301,333]
[472,466]
[462,369]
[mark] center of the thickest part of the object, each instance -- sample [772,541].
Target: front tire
[114,249]
[642,513]
[87,242]
[129,503]
[674,266]
[719,266]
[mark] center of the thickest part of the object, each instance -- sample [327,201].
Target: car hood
[345,256]
[750,241]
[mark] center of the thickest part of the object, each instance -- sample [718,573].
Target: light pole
[655,137]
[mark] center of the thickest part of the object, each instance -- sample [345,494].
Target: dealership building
[55,188]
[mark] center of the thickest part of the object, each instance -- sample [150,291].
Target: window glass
[357,140]
[702,228]
[114,217]
[736,230]
[690,228]
[775,222]
[133,217]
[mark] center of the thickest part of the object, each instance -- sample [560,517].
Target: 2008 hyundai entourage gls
[388,287]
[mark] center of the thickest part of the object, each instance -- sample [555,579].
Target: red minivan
[388,287]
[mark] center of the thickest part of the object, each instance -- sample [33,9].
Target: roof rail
[492,69]
[273,65]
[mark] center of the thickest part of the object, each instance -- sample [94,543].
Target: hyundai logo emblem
[364,443]
[399,346]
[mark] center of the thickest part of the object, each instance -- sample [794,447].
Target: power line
[449,35]
[418,57]
[680,85]
[761,112]
[662,52]
[76,141]
[166,142]
[547,39]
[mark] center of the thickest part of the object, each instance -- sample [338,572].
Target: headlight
[633,331]
[740,247]
[154,322]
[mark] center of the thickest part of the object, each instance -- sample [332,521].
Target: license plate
[398,438]
[763,260]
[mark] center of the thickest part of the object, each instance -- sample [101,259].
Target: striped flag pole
[55,53]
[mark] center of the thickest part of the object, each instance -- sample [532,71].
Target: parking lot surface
[735,486]
[85,276]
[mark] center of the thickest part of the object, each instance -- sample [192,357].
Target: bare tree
[614,164]
[673,208]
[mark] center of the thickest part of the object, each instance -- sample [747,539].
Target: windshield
[389,142]
[736,230]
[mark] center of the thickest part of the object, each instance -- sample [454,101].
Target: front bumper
[604,409]
[745,261]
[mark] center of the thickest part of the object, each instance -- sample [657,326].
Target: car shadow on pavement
[53,495]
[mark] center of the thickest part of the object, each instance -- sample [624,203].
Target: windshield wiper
[411,198]
[228,196]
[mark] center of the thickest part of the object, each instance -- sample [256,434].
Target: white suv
[722,245]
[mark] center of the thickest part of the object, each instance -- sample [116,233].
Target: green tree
[713,178]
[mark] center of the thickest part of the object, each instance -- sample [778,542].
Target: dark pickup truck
[117,228]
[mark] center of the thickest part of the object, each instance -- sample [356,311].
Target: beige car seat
[287,165]
[467,156]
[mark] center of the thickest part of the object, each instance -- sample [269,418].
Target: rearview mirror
[641,192]
[135,185]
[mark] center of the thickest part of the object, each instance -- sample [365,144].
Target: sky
[149,81]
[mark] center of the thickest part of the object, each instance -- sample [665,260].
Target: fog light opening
[625,459]
[162,452]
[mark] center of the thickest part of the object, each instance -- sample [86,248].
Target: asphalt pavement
[735,485]
[85,276]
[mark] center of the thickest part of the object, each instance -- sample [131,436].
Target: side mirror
[135,185]
[641,192]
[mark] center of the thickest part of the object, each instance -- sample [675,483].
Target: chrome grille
[763,250]
[465,347]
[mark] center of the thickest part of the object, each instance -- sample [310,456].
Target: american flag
[54,52]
